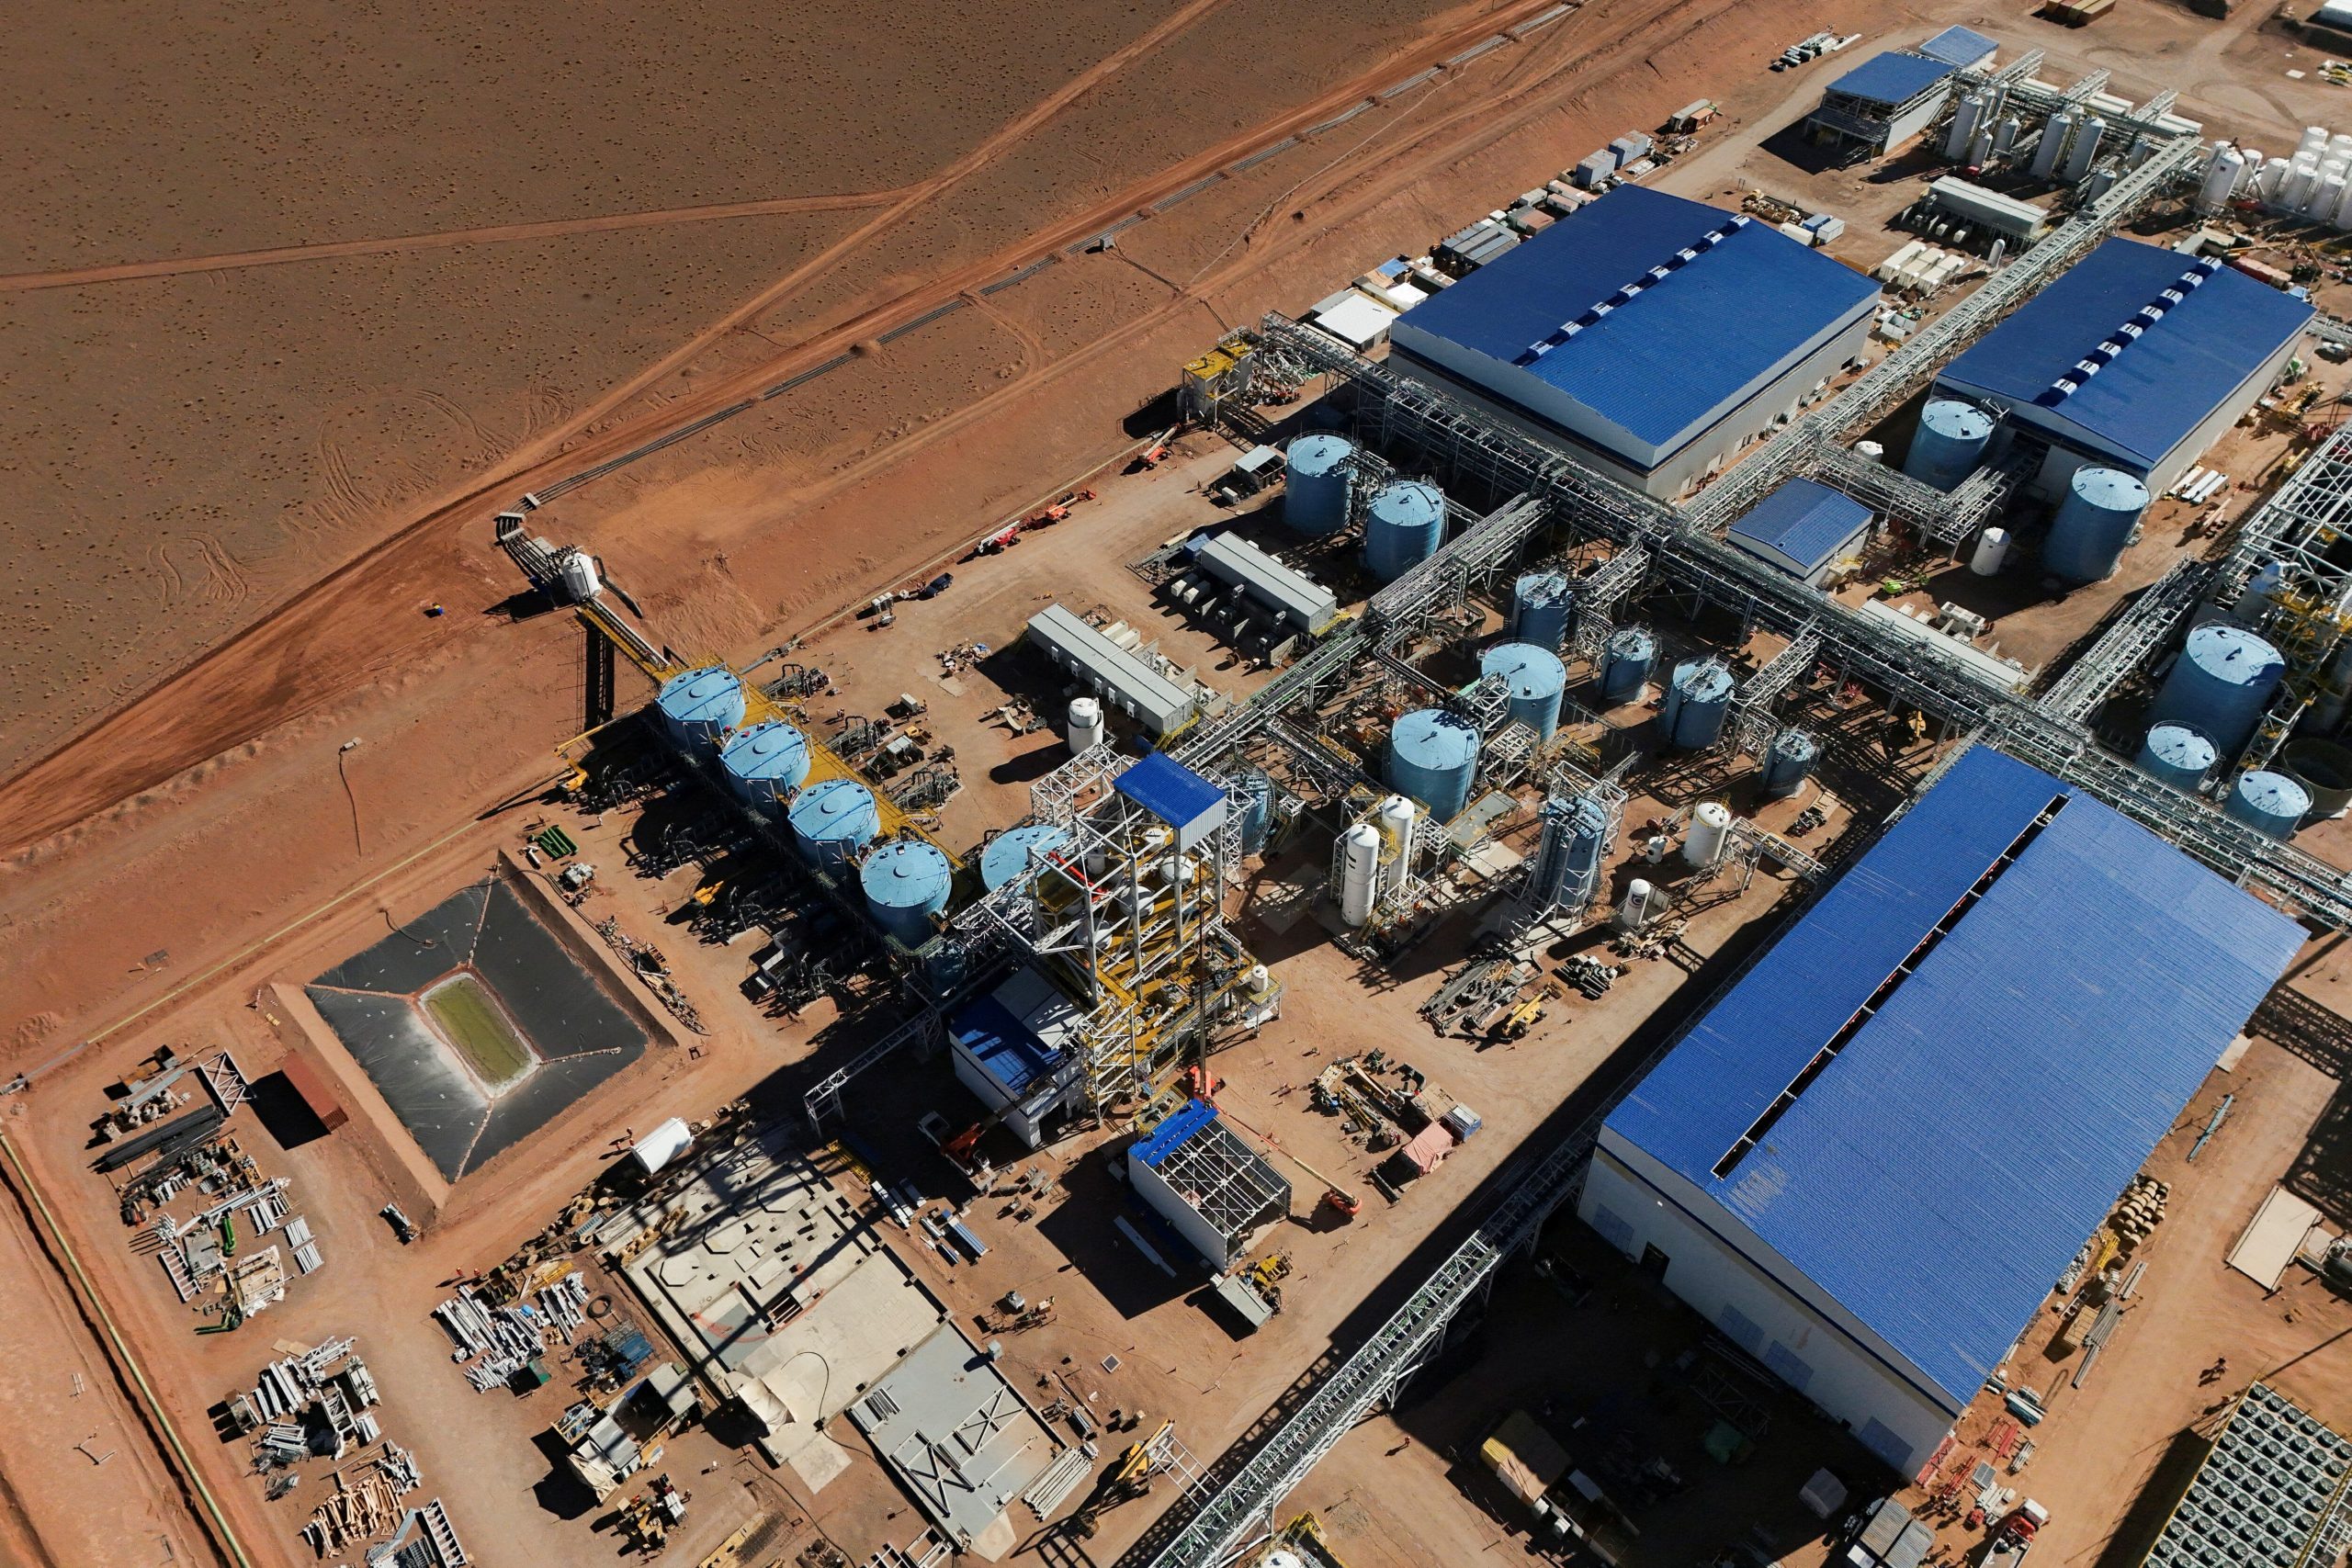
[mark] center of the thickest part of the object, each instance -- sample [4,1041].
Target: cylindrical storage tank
[2221,681]
[832,821]
[1991,552]
[2270,803]
[2178,754]
[1394,820]
[1257,809]
[1635,911]
[1359,873]
[2082,150]
[1625,665]
[764,763]
[1317,501]
[1431,754]
[1085,728]
[1980,146]
[1540,602]
[581,581]
[2325,770]
[1702,846]
[1537,677]
[1871,451]
[1697,699]
[1402,528]
[1964,117]
[906,884]
[2053,143]
[2250,162]
[1567,863]
[1008,855]
[697,707]
[2005,135]
[1948,444]
[2271,180]
[1789,762]
[2093,524]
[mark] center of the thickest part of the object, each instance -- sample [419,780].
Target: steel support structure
[2126,644]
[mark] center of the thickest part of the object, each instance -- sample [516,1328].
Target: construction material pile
[316,1402]
[495,1343]
[361,1510]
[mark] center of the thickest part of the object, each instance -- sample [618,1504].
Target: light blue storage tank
[1567,863]
[1257,809]
[831,820]
[1431,755]
[2272,802]
[1625,665]
[2223,681]
[1540,604]
[1009,851]
[1788,763]
[1402,528]
[1537,677]
[764,763]
[1318,467]
[1697,699]
[2093,524]
[907,882]
[1949,443]
[2178,754]
[697,707]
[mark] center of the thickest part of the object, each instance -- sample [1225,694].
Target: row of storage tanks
[1404,522]
[832,823]
[2095,523]
[1980,132]
[2208,710]
[2315,183]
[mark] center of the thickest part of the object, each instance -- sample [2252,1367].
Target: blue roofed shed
[1012,1048]
[1892,79]
[1176,795]
[1962,48]
[1803,528]
[1870,1159]
[1213,1190]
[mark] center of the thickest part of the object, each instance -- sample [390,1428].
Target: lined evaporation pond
[465,1015]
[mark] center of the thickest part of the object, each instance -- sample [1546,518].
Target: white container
[1991,552]
[1634,913]
[1710,825]
[1086,728]
[1359,873]
[1395,821]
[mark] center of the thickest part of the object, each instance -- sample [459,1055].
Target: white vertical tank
[2296,189]
[2055,136]
[1991,552]
[2004,136]
[1634,913]
[578,570]
[2222,171]
[1359,873]
[1710,825]
[2271,181]
[1980,146]
[2083,149]
[1965,119]
[2341,217]
[1086,728]
[1395,822]
[2252,161]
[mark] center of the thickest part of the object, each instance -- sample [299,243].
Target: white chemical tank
[1869,451]
[2083,148]
[2222,171]
[1359,873]
[1991,552]
[1634,912]
[1710,825]
[1086,728]
[1966,116]
[1395,822]
[577,568]
[2053,143]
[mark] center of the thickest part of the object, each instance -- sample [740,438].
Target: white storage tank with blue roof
[2094,524]
[1788,763]
[1431,755]
[907,882]
[2272,802]
[1567,862]
[1403,528]
[2223,681]
[1625,665]
[832,821]
[1698,698]
[1008,853]
[1536,676]
[1949,443]
[764,763]
[697,707]
[2179,754]
[1540,602]
[1318,466]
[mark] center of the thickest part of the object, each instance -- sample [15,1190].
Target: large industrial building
[1650,336]
[2135,358]
[1870,1160]
[1883,102]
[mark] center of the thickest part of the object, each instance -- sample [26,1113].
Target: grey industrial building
[1883,102]
[1124,679]
[1275,590]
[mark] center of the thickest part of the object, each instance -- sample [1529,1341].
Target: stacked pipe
[565,1304]
[496,1342]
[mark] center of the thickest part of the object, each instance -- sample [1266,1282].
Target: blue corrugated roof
[1893,77]
[1962,47]
[1174,1132]
[2160,386]
[1942,1170]
[1660,363]
[1802,520]
[1168,790]
[1006,1047]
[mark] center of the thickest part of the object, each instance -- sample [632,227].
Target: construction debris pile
[313,1403]
[496,1344]
[648,964]
[359,1510]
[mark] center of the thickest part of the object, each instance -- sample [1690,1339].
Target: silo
[832,821]
[1625,665]
[2053,143]
[1394,821]
[1567,863]
[1008,855]
[1318,499]
[2094,523]
[1085,727]
[1540,602]
[1991,552]
[1789,762]
[2005,135]
[1536,676]
[907,883]
[1964,118]
[1359,873]
[697,707]
[2221,681]
[2082,150]
[1257,809]
[764,763]
[1432,753]
[1697,699]
[1710,825]
[1402,528]
[1948,444]
[2271,803]
[2178,754]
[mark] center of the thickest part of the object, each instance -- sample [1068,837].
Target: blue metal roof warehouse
[1892,78]
[1962,47]
[1803,527]
[1913,1133]
[2136,357]
[1650,330]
